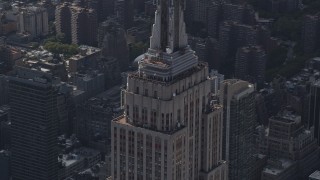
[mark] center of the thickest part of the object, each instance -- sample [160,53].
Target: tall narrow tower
[238,99]
[169,54]
[169,29]
[170,128]
[34,125]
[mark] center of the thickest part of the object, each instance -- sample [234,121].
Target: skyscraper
[238,99]
[214,20]
[124,12]
[310,33]
[6,59]
[113,41]
[3,90]
[233,12]
[84,26]
[63,20]
[292,146]
[200,11]
[104,8]
[33,101]
[34,20]
[250,64]
[5,164]
[79,25]
[170,128]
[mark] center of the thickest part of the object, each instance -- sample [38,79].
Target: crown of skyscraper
[169,54]
[169,34]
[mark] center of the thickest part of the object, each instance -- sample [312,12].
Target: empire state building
[171,129]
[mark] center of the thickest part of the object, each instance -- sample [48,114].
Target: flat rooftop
[85,51]
[78,155]
[285,164]
[288,117]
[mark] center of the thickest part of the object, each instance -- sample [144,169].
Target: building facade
[124,13]
[310,33]
[63,21]
[250,64]
[6,57]
[314,109]
[79,25]
[3,90]
[33,101]
[84,24]
[33,20]
[5,164]
[292,148]
[238,99]
[113,42]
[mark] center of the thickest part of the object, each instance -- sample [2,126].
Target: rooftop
[289,117]
[85,51]
[167,65]
[41,60]
[187,73]
[305,76]
[39,78]
[278,166]
[68,143]
[97,170]
[78,155]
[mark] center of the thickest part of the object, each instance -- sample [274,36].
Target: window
[162,121]
[127,113]
[153,116]
[135,113]
[144,115]
[179,115]
[167,122]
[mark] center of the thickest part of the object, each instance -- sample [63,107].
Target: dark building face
[279,6]
[63,21]
[310,33]
[213,21]
[250,64]
[104,8]
[314,109]
[5,59]
[4,128]
[238,99]
[84,26]
[79,25]
[112,40]
[124,12]
[34,128]
[3,90]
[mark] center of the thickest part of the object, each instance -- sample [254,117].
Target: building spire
[169,34]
